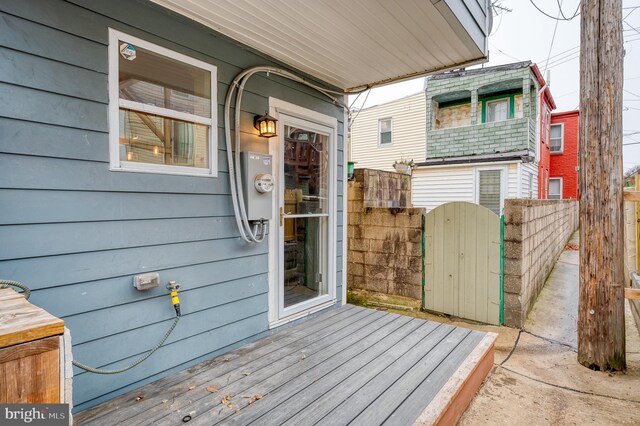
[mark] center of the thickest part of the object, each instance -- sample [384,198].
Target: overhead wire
[353,120]
[553,37]
[576,13]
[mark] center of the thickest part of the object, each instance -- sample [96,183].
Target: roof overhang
[353,44]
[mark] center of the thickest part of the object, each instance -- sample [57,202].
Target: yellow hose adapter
[173,288]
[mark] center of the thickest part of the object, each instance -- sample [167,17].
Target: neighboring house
[113,161]
[385,133]
[547,105]
[482,137]
[563,143]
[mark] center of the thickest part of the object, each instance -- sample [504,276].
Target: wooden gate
[462,262]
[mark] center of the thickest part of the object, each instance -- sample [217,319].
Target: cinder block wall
[383,189]
[535,233]
[384,243]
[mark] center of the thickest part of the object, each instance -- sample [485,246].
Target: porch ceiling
[350,44]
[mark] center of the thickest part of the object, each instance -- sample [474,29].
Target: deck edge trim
[479,361]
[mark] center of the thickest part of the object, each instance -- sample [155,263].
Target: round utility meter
[264,183]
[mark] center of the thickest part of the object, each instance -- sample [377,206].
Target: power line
[576,13]
[361,108]
[631,93]
[631,26]
[504,53]
[553,37]
[564,51]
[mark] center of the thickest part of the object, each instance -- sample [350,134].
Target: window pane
[157,80]
[497,110]
[306,159]
[556,131]
[147,138]
[555,189]
[489,190]
[555,145]
[385,137]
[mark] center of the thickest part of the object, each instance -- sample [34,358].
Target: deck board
[349,365]
[120,409]
[242,385]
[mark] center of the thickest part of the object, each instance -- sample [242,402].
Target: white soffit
[350,43]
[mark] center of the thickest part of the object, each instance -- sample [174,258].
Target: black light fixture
[266,125]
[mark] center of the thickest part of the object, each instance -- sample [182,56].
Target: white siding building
[385,133]
[434,186]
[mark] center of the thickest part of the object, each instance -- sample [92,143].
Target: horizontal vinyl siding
[76,232]
[529,169]
[512,181]
[433,187]
[408,117]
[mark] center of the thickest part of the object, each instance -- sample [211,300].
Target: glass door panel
[305,217]
[304,259]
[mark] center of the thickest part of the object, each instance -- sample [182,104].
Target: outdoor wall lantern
[266,125]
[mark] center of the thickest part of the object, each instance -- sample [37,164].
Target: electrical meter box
[258,184]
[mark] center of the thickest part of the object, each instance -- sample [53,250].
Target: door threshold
[298,315]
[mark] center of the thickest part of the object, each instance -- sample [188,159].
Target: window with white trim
[557,139]
[555,188]
[384,131]
[490,190]
[162,109]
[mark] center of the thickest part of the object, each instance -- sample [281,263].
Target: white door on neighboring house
[303,234]
[491,188]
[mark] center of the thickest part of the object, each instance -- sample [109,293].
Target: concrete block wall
[535,233]
[383,189]
[384,243]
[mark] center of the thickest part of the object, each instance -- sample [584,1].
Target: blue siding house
[117,126]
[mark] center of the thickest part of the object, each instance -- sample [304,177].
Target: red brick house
[547,104]
[563,147]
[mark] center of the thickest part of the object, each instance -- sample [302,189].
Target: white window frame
[115,103]
[561,138]
[561,188]
[291,112]
[504,184]
[380,131]
[494,101]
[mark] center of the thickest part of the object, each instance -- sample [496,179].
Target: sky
[526,34]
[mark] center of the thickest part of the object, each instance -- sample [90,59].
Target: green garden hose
[138,361]
[9,283]
[176,304]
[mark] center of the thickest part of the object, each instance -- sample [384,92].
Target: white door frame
[287,113]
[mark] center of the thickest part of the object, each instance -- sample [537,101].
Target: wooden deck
[348,366]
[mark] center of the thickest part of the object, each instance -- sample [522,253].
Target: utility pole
[601,333]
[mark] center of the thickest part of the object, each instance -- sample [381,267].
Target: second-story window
[384,131]
[497,110]
[557,139]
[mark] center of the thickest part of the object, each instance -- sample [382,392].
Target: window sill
[165,170]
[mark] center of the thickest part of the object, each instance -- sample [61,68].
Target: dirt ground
[542,383]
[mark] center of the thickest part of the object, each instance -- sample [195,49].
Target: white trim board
[294,114]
